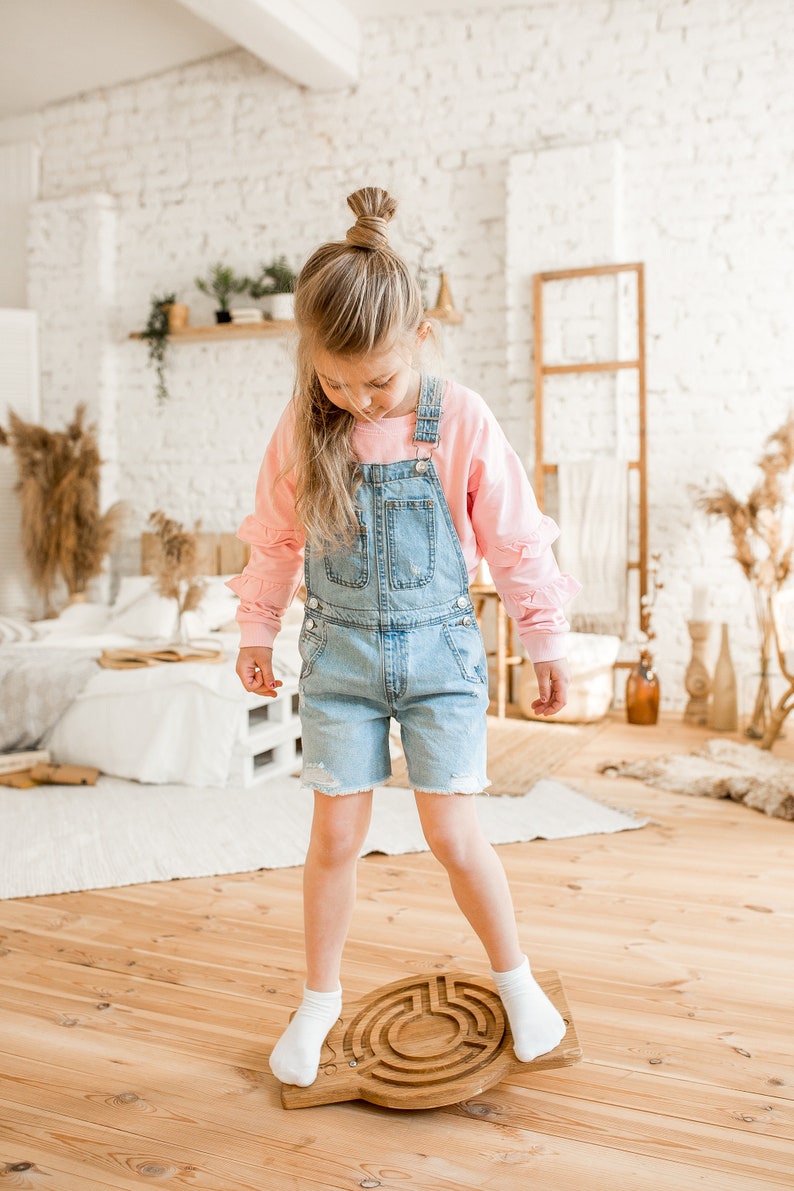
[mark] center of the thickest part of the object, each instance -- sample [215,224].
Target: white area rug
[59,839]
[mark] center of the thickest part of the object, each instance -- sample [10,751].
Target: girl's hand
[553,679]
[255,670]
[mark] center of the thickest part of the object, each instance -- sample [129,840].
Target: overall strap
[428,412]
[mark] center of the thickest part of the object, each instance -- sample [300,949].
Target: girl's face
[382,384]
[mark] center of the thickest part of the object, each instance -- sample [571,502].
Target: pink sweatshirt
[492,504]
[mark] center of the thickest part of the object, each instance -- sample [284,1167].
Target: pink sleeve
[274,571]
[515,539]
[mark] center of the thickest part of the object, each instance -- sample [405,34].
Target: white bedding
[173,723]
[164,724]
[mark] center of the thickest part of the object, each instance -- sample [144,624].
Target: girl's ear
[422,334]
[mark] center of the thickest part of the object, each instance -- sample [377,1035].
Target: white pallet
[269,735]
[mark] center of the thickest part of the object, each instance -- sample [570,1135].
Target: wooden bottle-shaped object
[724,713]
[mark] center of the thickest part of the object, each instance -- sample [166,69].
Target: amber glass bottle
[642,692]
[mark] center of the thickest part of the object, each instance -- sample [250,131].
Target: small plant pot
[177,317]
[280,307]
[223,316]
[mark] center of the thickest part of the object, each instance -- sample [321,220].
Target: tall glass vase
[762,709]
[180,635]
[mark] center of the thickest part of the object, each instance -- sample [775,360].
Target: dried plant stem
[64,533]
[763,545]
[762,707]
[175,566]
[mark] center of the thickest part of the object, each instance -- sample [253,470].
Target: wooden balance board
[424,1042]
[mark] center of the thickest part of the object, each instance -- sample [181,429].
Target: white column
[72,286]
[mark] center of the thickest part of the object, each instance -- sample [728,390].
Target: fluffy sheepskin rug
[720,769]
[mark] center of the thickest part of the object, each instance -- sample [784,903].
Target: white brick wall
[226,160]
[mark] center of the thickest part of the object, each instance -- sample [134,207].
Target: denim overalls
[390,632]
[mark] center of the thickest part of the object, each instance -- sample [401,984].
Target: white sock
[296,1055]
[536,1025]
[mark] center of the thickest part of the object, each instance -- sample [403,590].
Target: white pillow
[131,588]
[76,620]
[218,604]
[140,612]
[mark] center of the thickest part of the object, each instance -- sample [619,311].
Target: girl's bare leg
[339,828]
[479,886]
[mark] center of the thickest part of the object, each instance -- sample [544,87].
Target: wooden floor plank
[640,1132]
[135,1023]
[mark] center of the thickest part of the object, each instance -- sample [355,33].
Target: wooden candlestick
[697,679]
[426,1041]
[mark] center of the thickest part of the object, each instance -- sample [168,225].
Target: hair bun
[373,209]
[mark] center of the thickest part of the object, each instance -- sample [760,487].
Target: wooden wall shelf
[268,329]
[223,332]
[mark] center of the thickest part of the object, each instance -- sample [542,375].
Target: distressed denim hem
[333,792]
[446,793]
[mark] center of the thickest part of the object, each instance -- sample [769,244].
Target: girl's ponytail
[352,297]
[374,209]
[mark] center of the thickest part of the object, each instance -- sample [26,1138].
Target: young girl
[383,488]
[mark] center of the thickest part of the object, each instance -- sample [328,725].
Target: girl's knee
[335,847]
[451,828]
[450,846]
[338,833]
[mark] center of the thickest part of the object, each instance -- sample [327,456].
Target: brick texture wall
[683,110]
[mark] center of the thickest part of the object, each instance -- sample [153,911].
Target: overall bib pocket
[411,542]
[350,568]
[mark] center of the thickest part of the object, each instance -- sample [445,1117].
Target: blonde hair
[352,297]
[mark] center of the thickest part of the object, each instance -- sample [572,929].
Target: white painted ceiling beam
[313,42]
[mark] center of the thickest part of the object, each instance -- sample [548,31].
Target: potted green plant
[156,334]
[220,283]
[276,285]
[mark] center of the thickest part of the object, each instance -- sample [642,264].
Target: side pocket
[311,644]
[466,645]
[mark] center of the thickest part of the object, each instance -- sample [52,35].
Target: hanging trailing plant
[156,335]
[64,534]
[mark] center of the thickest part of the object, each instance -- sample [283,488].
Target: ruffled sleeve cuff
[263,593]
[546,647]
[257,633]
[262,605]
[555,594]
[257,533]
[539,617]
[531,544]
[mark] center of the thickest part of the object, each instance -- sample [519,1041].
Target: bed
[187,722]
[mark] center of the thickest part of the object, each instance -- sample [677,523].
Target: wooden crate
[269,743]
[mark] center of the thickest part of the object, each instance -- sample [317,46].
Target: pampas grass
[762,533]
[64,534]
[174,564]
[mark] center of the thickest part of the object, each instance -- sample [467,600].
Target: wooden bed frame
[218,553]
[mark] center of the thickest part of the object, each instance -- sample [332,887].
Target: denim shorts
[431,679]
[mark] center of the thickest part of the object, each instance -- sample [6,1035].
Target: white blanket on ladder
[593,545]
